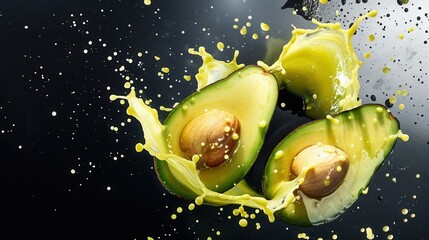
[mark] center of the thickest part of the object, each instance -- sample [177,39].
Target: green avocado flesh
[366,134]
[250,94]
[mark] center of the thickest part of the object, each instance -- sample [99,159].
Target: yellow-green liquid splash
[320,66]
[186,172]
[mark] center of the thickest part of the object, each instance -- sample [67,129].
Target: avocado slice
[366,134]
[250,94]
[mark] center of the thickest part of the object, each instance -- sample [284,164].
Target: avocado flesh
[367,134]
[250,94]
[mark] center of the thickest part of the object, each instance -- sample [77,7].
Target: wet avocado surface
[251,95]
[367,134]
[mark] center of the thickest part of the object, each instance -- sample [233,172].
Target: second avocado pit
[212,136]
[327,166]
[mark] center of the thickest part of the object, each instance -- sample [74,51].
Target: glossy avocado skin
[250,94]
[367,134]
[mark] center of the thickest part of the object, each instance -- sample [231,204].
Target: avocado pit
[328,166]
[212,136]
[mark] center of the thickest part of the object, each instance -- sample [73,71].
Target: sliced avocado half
[366,134]
[250,94]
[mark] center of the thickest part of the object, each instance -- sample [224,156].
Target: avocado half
[367,134]
[250,94]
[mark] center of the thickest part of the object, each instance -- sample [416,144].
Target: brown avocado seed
[328,168]
[213,136]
